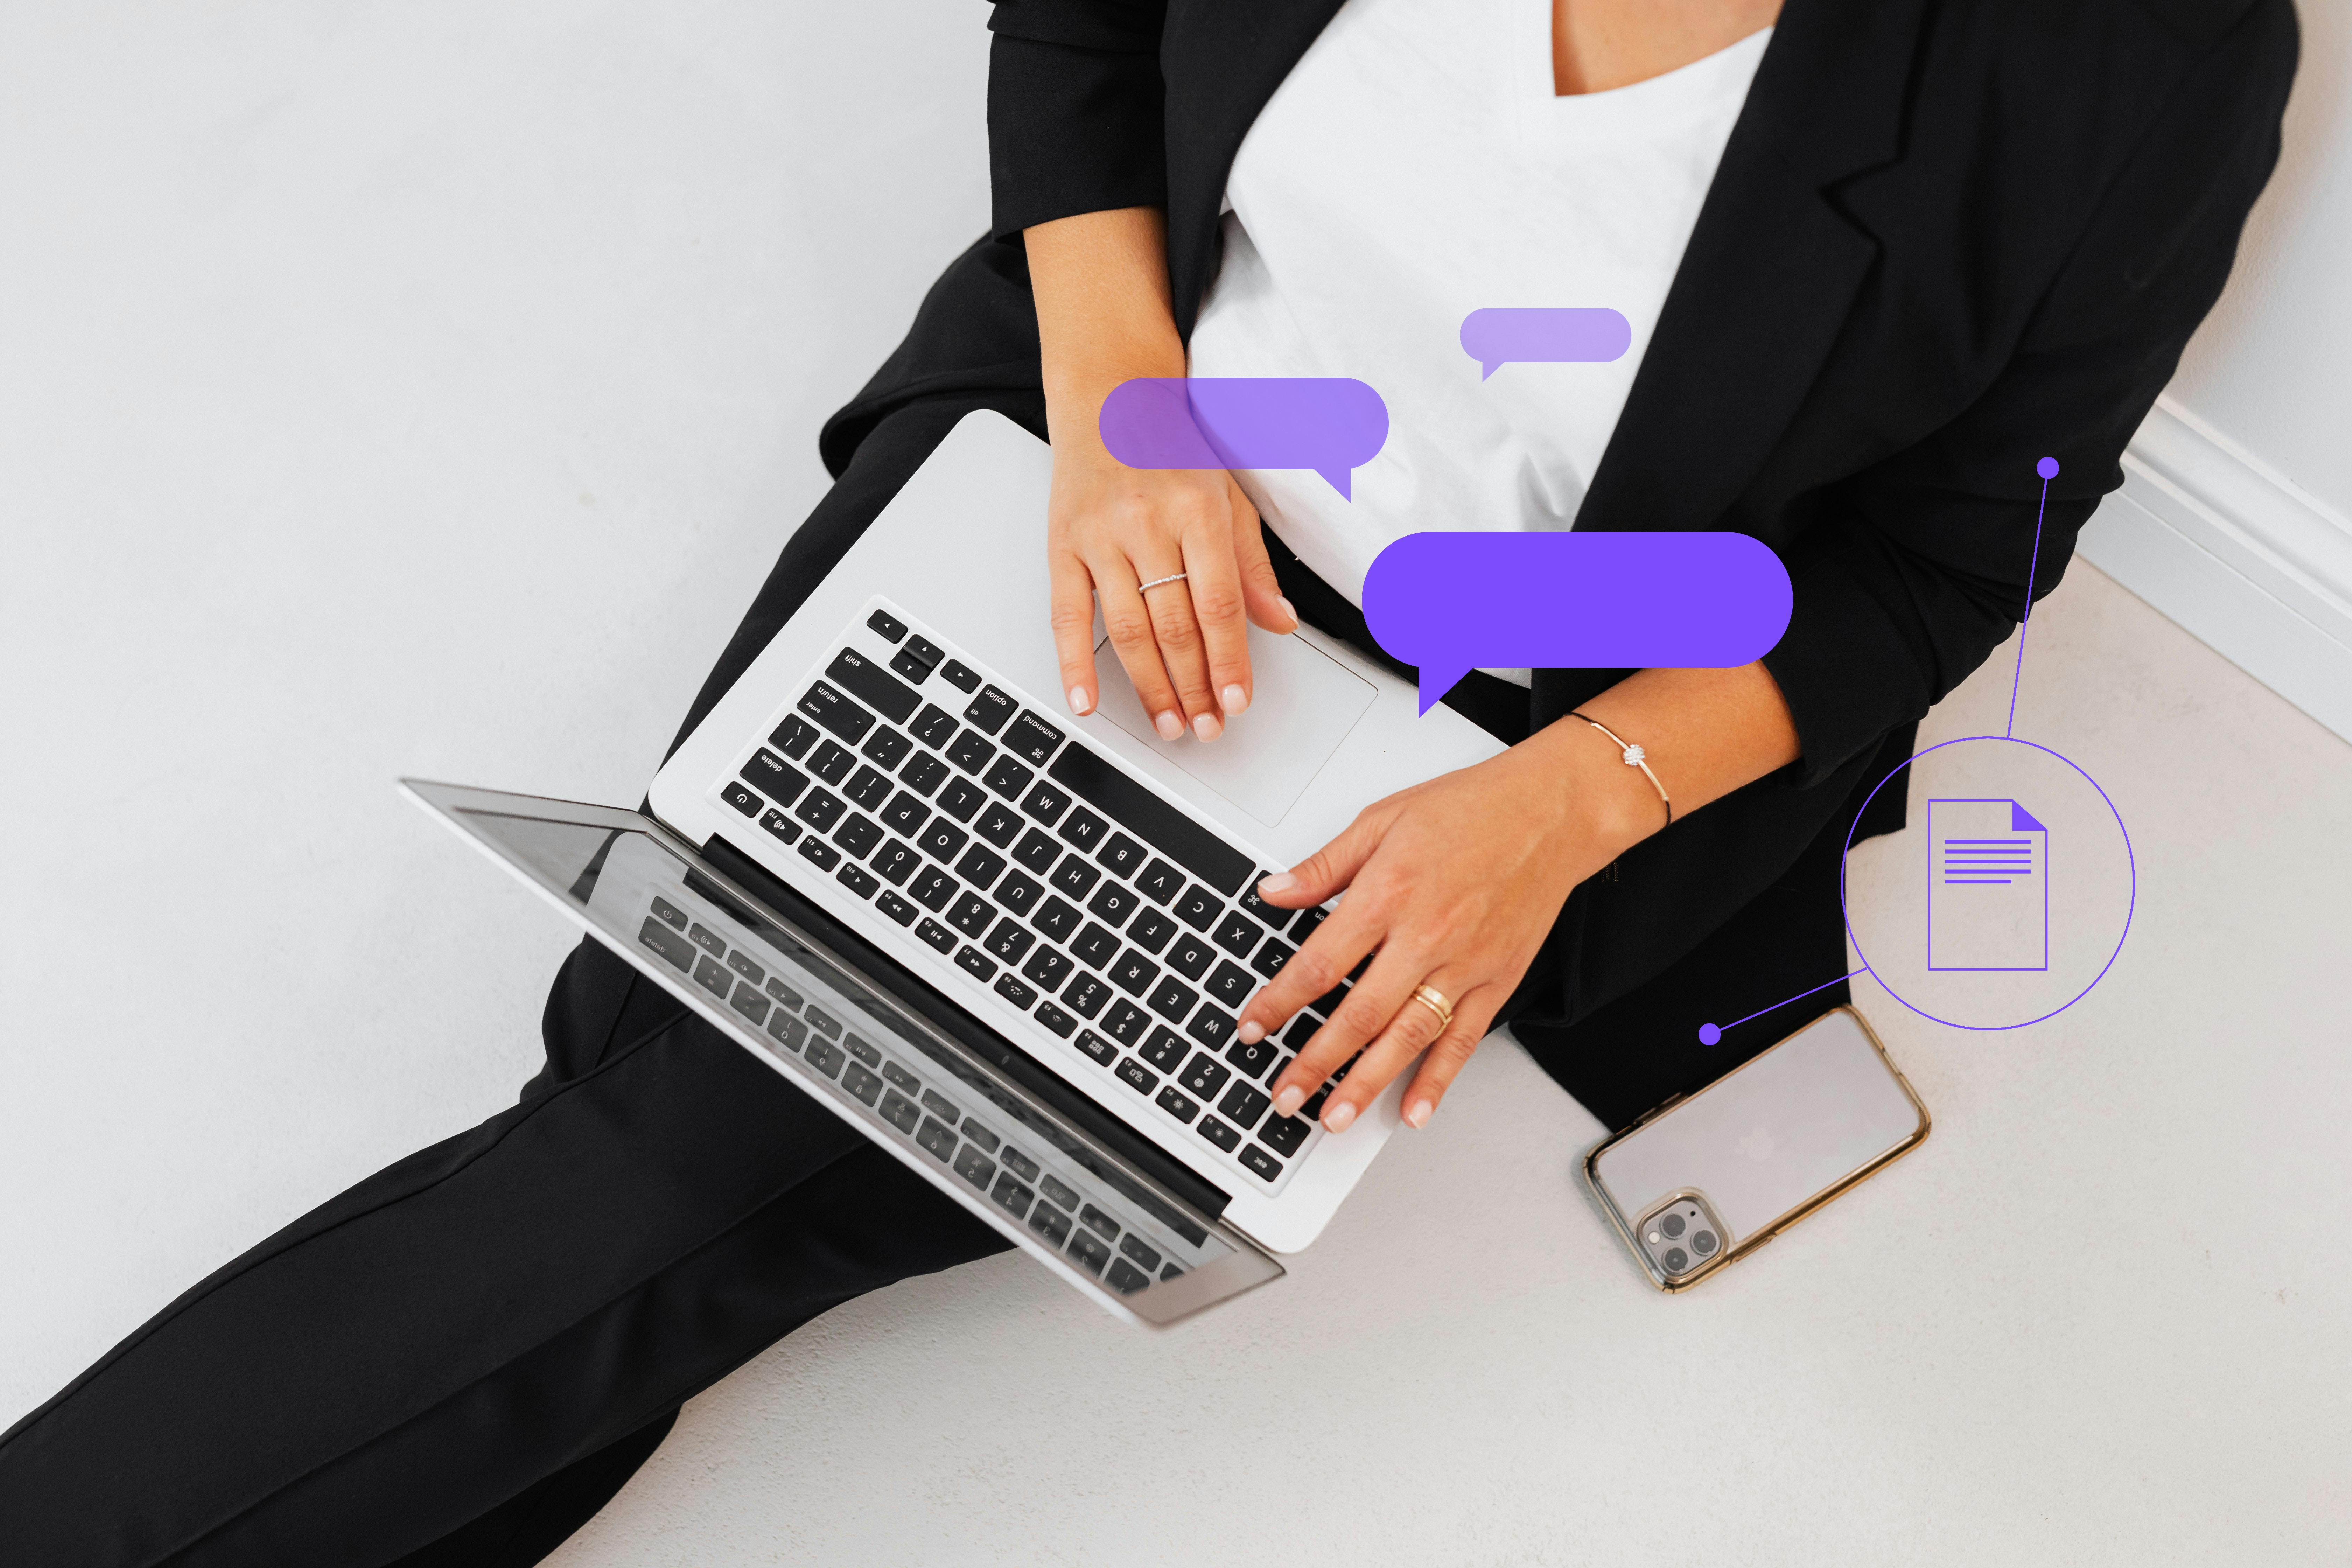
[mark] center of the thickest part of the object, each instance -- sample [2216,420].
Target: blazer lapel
[1769,273]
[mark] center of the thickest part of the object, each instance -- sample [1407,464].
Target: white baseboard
[2244,561]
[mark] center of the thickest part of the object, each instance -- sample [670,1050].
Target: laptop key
[912,669]
[971,915]
[709,941]
[941,839]
[1020,1164]
[940,1105]
[1164,1051]
[939,1140]
[857,880]
[1054,1018]
[1086,994]
[960,676]
[1272,957]
[861,1083]
[1135,1247]
[1259,907]
[1095,1045]
[1088,1253]
[902,1078]
[1063,1194]
[1048,968]
[825,1057]
[743,965]
[740,798]
[1210,1027]
[1159,881]
[1015,990]
[1250,1059]
[1121,854]
[1057,919]
[1008,1194]
[820,854]
[990,710]
[869,787]
[787,1029]
[864,1051]
[774,777]
[933,889]
[1000,823]
[1075,877]
[1243,1106]
[1050,1223]
[897,908]
[899,1111]
[970,750]
[923,651]
[938,935]
[1173,1100]
[862,678]
[885,748]
[835,712]
[1125,1278]
[891,627]
[1302,1029]
[1126,1023]
[1309,919]
[824,1023]
[782,992]
[1136,1075]
[1204,1075]
[1101,1224]
[1095,946]
[1046,803]
[859,834]
[896,864]
[671,915]
[934,726]
[1198,908]
[1083,828]
[1173,999]
[1010,940]
[1191,957]
[976,963]
[1260,1163]
[668,944]
[1033,738]
[1169,1272]
[1237,935]
[1230,984]
[1151,930]
[1018,892]
[1113,903]
[906,814]
[961,799]
[924,773]
[1008,778]
[1037,850]
[779,825]
[981,1135]
[1217,1133]
[820,809]
[832,763]
[1133,972]
[980,865]
[794,736]
[1286,1135]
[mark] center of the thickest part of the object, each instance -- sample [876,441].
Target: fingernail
[1171,727]
[1250,1032]
[1208,726]
[1236,700]
[1340,1117]
[1280,882]
[1079,701]
[1417,1113]
[1291,610]
[1287,1100]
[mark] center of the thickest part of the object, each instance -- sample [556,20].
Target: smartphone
[1709,1177]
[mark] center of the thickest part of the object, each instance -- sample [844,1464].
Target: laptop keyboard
[1077,901]
[906,1097]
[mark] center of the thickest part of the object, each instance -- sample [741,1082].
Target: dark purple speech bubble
[1452,603]
[1495,337]
[1328,424]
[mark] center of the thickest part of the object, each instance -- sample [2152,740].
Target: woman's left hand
[1452,884]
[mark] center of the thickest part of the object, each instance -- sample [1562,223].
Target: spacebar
[1152,819]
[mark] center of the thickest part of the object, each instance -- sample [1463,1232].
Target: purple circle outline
[2131,903]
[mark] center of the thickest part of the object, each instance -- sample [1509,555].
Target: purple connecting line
[2048,468]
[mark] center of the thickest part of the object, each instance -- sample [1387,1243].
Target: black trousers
[462,1358]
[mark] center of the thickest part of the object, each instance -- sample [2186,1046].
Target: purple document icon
[1495,337]
[1330,424]
[1452,603]
[1988,886]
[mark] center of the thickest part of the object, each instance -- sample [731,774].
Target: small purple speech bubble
[1328,424]
[1451,603]
[1495,337]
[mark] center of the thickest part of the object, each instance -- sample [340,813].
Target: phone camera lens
[1676,1260]
[1671,1225]
[1704,1244]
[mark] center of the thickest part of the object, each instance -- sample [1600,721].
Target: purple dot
[2047,468]
[1708,1034]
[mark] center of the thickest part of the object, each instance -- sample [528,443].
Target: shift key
[863,677]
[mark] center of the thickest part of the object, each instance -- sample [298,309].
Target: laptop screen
[1000,1148]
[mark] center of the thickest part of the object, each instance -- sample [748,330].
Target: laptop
[1008,944]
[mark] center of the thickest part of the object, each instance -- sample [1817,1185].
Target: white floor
[417,388]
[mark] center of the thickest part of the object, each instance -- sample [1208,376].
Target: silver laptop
[1008,944]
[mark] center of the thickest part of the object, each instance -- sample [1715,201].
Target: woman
[1878,260]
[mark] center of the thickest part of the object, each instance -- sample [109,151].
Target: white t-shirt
[1416,166]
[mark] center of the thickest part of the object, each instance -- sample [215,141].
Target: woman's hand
[1185,645]
[1452,884]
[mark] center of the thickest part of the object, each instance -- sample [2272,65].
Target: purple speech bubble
[1495,337]
[1450,603]
[1328,424]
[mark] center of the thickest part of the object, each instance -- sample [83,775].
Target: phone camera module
[1676,1260]
[1673,1226]
[1704,1244]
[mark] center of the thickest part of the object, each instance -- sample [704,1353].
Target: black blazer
[1948,237]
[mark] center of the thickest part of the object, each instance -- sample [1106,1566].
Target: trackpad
[1302,706]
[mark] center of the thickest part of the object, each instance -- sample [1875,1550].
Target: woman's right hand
[1184,645]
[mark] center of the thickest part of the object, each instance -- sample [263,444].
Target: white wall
[2235,518]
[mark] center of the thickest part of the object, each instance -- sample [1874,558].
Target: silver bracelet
[1635,758]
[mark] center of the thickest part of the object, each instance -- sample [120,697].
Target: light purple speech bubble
[1452,603]
[1494,338]
[1328,424]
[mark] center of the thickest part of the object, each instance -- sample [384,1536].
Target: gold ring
[1431,997]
